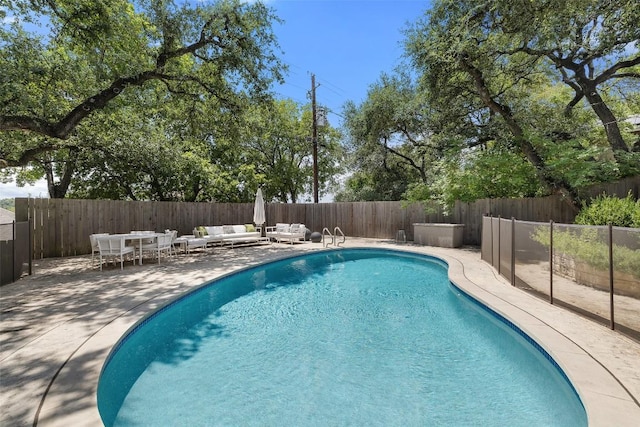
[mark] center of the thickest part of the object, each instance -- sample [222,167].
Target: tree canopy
[515,99]
[152,100]
[165,100]
[96,50]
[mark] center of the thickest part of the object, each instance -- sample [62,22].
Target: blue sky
[347,44]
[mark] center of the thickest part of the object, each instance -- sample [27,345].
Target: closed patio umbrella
[258,209]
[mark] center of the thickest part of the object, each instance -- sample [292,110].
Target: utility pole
[314,138]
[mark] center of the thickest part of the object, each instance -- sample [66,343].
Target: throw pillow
[227,229]
[203,231]
[250,228]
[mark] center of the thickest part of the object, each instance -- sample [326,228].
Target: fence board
[323,218]
[65,226]
[620,188]
[37,228]
[50,223]
[343,217]
[82,227]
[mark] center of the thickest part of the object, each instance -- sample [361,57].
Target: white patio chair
[114,247]
[94,244]
[162,243]
[174,236]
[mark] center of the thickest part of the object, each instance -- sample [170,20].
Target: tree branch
[556,186]
[31,155]
[64,127]
[625,75]
[611,71]
[569,108]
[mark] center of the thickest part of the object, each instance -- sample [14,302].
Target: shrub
[605,210]
[589,245]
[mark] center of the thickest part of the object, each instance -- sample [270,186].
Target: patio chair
[174,236]
[114,247]
[162,243]
[94,244]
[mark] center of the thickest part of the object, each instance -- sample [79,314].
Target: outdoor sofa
[229,234]
[287,232]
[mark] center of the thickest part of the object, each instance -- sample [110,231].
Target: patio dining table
[133,237]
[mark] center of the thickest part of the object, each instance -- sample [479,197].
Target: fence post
[13,255]
[30,224]
[513,251]
[493,264]
[613,325]
[499,245]
[551,262]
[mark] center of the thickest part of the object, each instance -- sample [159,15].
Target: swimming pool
[347,337]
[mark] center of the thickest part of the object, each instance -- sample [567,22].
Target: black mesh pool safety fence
[592,270]
[15,251]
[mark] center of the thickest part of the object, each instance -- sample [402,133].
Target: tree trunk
[554,185]
[59,190]
[604,114]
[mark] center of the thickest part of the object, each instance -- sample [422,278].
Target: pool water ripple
[381,338]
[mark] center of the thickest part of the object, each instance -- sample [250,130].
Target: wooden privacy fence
[61,227]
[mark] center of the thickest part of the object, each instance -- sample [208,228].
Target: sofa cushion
[239,228]
[282,228]
[215,230]
[295,228]
[249,228]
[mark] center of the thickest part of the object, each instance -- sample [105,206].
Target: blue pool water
[346,337]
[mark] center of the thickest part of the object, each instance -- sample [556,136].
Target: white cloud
[11,190]
[8,20]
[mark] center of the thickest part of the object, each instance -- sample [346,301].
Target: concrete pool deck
[59,325]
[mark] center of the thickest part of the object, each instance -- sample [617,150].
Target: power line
[337,89]
[325,83]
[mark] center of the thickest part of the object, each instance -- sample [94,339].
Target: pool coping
[603,365]
[606,400]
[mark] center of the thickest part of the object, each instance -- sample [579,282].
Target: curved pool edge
[605,399]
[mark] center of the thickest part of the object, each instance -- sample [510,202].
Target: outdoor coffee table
[182,242]
[235,240]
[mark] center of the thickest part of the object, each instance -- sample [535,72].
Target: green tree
[184,150]
[593,45]
[389,140]
[147,150]
[8,204]
[276,139]
[96,52]
[495,172]
[466,72]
